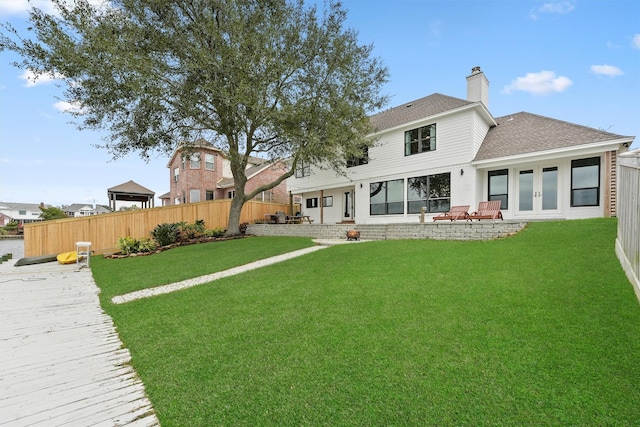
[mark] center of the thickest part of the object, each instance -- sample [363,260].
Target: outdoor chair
[455,213]
[281,217]
[487,210]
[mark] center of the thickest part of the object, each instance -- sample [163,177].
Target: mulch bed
[177,244]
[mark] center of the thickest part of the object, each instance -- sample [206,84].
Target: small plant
[127,245]
[190,231]
[215,232]
[146,244]
[165,234]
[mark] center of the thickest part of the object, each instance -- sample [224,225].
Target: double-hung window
[585,182]
[420,140]
[209,162]
[432,192]
[303,170]
[499,187]
[386,197]
[361,159]
[176,174]
[194,161]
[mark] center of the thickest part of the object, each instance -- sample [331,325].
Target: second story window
[303,170]
[363,159]
[209,162]
[176,174]
[420,140]
[194,161]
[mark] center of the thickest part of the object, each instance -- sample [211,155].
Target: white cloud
[561,8]
[64,106]
[636,41]
[606,70]
[31,80]
[540,83]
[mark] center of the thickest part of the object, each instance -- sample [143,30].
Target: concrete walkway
[172,287]
[61,360]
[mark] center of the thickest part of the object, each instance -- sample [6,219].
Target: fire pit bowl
[353,235]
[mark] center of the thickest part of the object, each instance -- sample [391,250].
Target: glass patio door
[538,190]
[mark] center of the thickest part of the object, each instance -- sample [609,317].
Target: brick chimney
[478,87]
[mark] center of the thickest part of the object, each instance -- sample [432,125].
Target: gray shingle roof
[130,187]
[249,172]
[523,133]
[415,110]
[22,206]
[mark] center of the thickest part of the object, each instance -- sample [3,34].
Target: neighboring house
[79,210]
[205,174]
[23,213]
[165,199]
[440,151]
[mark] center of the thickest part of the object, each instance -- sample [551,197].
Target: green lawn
[542,328]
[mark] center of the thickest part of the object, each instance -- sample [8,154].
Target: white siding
[480,129]
[565,210]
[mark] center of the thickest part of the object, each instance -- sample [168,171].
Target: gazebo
[130,192]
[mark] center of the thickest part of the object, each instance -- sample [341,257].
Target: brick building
[205,174]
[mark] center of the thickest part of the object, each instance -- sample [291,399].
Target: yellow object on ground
[67,257]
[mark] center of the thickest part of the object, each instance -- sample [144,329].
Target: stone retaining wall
[479,230]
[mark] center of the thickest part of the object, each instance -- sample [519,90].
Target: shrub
[127,245]
[215,232]
[165,234]
[146,244]
[190,231]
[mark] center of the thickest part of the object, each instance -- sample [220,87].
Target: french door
[538,191]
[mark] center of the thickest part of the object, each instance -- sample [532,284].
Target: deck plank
[61,359]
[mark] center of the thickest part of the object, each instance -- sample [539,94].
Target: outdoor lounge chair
[456,212]
[487,210]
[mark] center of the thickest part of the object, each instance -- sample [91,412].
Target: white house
[77,210]
[22,213]
[440,151]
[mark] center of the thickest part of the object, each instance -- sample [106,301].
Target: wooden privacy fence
[103,231]
[628,240]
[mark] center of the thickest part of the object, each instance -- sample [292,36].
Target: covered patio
[130,191]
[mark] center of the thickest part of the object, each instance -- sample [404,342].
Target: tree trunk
[233,226]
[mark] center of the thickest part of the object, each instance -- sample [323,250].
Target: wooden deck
[61,360]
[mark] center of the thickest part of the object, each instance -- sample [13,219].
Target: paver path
[172,287]
[61,360]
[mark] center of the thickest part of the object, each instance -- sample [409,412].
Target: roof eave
[584,149]
[477,105]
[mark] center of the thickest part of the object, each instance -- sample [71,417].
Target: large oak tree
[269,78]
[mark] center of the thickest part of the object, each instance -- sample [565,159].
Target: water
[12,246]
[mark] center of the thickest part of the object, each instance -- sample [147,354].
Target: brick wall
[267,176]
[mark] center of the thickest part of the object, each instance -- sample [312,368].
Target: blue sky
[577,61]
